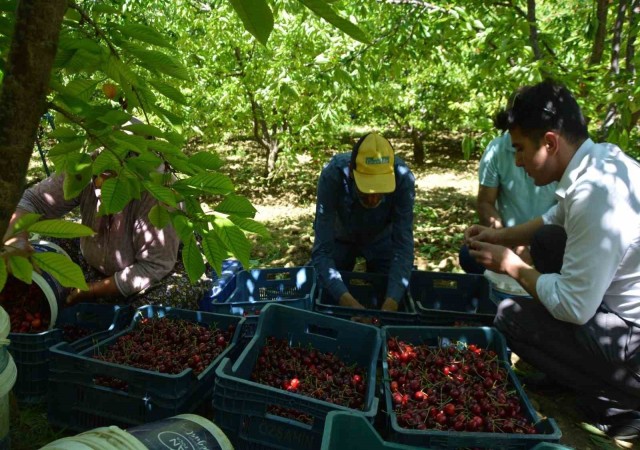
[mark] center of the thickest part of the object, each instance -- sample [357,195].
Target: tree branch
[597,51]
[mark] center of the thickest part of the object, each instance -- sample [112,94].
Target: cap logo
[381,160]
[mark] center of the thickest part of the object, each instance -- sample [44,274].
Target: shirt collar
[574,168]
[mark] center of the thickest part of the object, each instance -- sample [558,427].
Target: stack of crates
[485,338]
[370,290]
[30,351]
[77,402]
[241,406]
[448,299]
[256,288]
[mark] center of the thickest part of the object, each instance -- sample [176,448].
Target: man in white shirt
[583,326]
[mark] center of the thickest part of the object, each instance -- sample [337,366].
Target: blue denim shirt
[340,216]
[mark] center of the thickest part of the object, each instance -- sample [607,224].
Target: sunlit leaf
[159,217]
[21,268]
[192,259]
[61,268]
[236,204]
[256,17]
[59,228]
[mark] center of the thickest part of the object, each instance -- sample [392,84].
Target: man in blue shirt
[365,208]
[507,196]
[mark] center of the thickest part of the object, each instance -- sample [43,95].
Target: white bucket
[503,287]
[188,431]
[8,378]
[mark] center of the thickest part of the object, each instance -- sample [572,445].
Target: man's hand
[77,295]
[347,300]
[494,257]
[390,305]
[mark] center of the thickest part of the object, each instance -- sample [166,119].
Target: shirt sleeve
[488,171]
[156,252]
[591,257]
[329,186]
[402,236]
[47,198]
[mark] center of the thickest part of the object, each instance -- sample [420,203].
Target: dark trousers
[599,359]
[377,254]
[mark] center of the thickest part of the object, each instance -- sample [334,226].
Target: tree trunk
[24,90]
[272,158]
[418,146]
[634,19]
[533,29]
[601,32]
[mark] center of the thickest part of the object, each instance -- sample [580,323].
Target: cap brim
[375,184]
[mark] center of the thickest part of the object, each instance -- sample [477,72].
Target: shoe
[624,427]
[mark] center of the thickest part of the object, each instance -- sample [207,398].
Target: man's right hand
[347,300]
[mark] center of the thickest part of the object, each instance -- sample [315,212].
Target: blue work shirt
[341,217]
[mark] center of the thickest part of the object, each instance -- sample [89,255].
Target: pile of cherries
[27,306]
[457,387]
[307,371]
[165,345]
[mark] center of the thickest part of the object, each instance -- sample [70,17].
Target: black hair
[544,107]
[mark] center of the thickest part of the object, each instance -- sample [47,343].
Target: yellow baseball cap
[373,168]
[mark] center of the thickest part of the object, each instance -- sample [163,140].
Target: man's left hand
[390,305]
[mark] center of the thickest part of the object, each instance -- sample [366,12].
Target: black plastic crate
[452,299]
[241,406]
[370,290]
[484,337]
[76,402]
[223,285]
[31,351]
[256,288]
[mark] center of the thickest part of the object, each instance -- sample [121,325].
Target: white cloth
[599,207]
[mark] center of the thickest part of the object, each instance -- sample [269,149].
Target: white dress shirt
[599,207]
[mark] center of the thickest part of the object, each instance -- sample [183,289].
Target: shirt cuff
[545,287]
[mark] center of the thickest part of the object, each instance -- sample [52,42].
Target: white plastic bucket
[185,431]
[503,286]
[54,288]
[8,378]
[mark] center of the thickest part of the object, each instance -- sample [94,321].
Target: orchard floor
[445,196]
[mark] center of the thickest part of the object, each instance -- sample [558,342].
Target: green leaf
[24,222]
[256,17]
[161,193]
[8,6]
[21,268]
[183,227]
[102,8]
[212,183]
[81,88]
[77,176]
[66,147]
[236,204]
[145,34]
[4,274]
[169,91]
[206,160]
[155,60]
[164,148]
[59,228]
[61,268]
[214,250]
[251,226]
[63,133]
[192,260]
[322,9]
[159,217]
[234,239]
[115,195]
[144,130]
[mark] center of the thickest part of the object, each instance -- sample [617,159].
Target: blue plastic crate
[241,406]
[256,288]
[223,285]
[370,290]
[77,403]
[345,429]
[485,337]
[31,351]
[447,299]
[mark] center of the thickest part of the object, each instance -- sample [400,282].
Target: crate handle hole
[331,333]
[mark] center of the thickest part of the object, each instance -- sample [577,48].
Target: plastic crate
[31,351]
[223,285]
[370,290]
[256,288]
[485,337]
[241,406]
[345,427]
[77,403]
[447,299]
